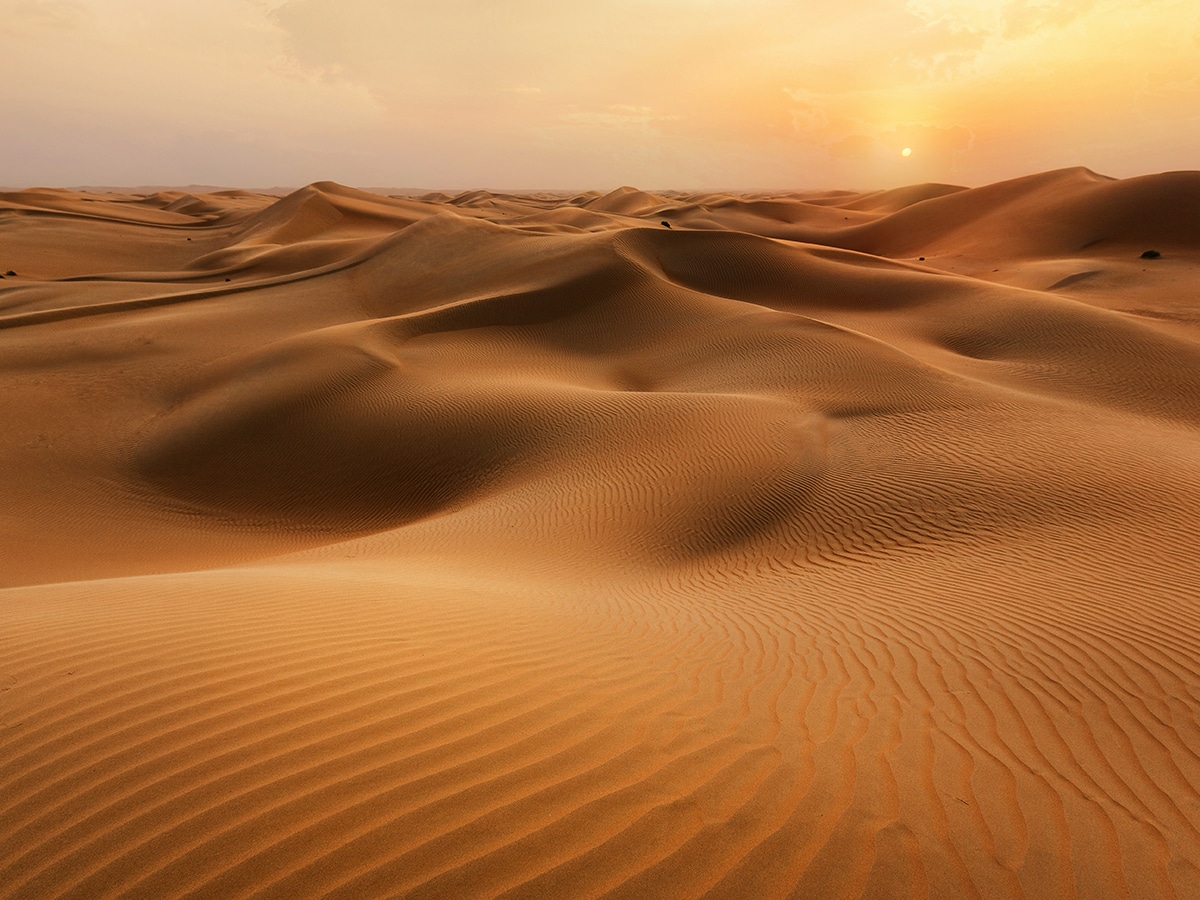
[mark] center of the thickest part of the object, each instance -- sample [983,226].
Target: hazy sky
[687,94]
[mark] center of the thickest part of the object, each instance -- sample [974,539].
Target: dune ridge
[822,544]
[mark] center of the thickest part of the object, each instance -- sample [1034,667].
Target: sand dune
[819,545]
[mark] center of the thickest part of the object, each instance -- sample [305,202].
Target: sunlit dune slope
[816,545]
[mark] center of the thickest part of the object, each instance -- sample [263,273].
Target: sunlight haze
[685,94]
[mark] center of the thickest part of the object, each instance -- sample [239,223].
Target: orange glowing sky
[687,94]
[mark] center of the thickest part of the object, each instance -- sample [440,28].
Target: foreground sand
[818,545]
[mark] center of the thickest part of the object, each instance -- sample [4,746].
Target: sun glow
[284,92]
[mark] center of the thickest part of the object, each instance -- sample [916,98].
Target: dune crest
[823,544]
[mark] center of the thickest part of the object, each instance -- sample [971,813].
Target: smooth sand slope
[824,545]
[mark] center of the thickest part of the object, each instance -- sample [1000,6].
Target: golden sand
[817,545]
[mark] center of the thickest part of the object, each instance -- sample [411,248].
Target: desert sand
[817,545]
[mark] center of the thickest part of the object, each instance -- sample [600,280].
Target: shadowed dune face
[493,545]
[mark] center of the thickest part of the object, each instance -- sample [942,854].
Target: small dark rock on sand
[666,224]
[10,274]
[1151,254]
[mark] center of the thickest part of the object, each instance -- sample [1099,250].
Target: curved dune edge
[498,545]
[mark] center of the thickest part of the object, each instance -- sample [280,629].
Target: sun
[907,151]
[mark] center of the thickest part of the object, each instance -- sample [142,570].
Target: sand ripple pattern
[835,545]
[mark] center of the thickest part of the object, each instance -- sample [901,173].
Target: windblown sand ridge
[817,545]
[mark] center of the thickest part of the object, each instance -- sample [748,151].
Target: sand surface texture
[818,545]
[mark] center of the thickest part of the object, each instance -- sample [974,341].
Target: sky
[593,94]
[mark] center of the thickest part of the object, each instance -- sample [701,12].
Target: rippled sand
[816,545]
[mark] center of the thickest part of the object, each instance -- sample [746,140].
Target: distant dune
[480,545]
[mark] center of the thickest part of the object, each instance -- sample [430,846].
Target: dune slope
[818,545]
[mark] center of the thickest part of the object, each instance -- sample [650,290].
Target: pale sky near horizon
[686,94]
